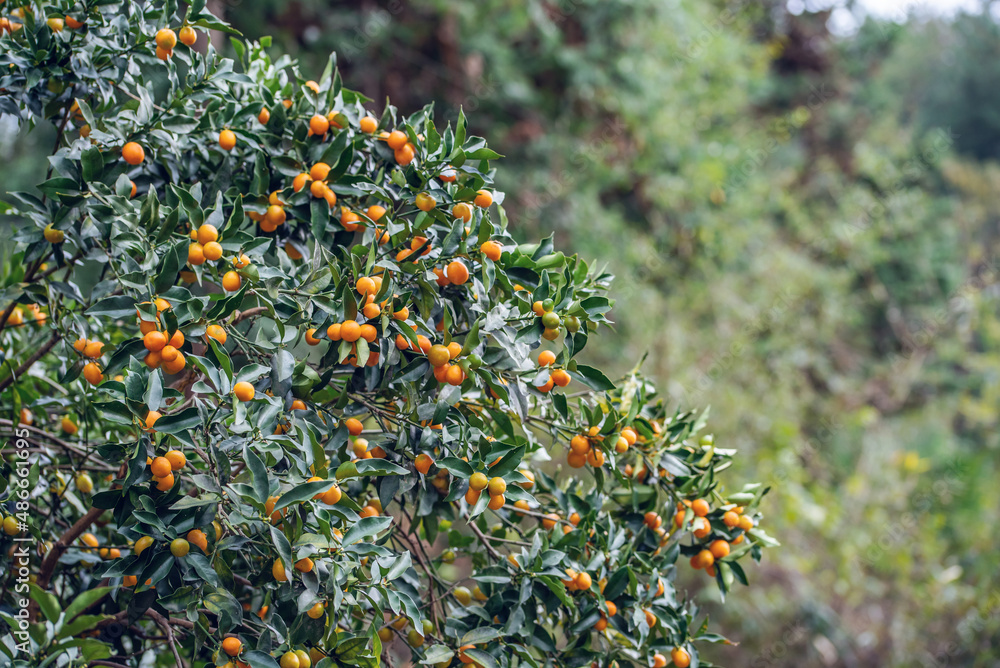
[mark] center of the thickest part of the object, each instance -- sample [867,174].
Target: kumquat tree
[281,389]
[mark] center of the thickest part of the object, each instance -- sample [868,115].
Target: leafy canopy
[299,367]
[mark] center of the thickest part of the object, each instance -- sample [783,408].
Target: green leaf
[92,162]
[115,411]
[203,567]
[437,654]
[79,625]
[84,600]
[114,307]
[47,603]
[482,658]
[594,378]
[480,636]
[456,466]
[509,462]
[303,492]
[377,466]
[258,659]
[175,423]
[366,526]
[261,485]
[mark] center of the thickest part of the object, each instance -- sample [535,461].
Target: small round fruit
[319,125]
[244,391]
[719,548]
[179,547]
[700,507]
[680,658]
[132,153]
[142,544]
[160,467]
[166,39]
[92,373]
[457,272]
[497,486]
[84,483]
[11,527]
[175,457]
[212,251]
[483,199]
[462,595]
[425,202]
[397,140]
[423,463]
[492,250]
[231,281]
[216,332]
[198,538]
[478,481]
[154,341]
[232,646]
[52,235]
[227,140]
[188,36]
[368,124]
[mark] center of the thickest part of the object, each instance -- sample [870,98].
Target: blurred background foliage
[804,230]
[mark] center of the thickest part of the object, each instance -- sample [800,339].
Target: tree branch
[249,313]
[21,370]
[164,624]
[49,563]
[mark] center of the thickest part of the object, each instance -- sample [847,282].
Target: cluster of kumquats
[166,40]
[205,247]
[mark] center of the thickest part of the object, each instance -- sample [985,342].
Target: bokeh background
[800,203]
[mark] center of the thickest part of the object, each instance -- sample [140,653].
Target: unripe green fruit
[551,320]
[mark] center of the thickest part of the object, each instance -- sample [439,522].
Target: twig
[49,563]
[482,538]
[21,370]
[164,624]
[249,313]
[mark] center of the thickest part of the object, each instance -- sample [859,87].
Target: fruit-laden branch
[23,369]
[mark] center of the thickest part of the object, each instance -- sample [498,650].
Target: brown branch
[21,370]
[164,624]
[49,563]
[249,313]
[482,538]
